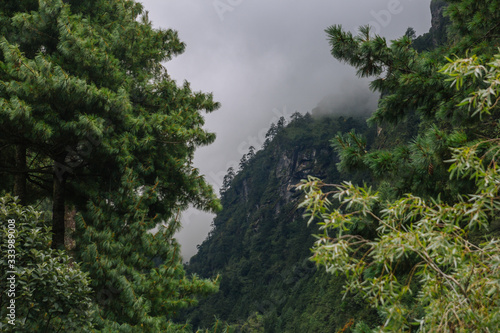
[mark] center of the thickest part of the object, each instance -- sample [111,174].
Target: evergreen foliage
[406,78]
[93,126]
[139,274]
[92,122]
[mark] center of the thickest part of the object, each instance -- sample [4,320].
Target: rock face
[439,22]
[295,165]
[437,34]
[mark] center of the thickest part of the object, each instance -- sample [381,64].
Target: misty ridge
[354,99]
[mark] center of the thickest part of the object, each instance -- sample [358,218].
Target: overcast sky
[263,59]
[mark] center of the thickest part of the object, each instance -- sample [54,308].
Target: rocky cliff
[437,34]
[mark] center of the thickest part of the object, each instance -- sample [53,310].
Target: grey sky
[263,59]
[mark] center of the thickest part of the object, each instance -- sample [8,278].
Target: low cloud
[354,98]
[258,56]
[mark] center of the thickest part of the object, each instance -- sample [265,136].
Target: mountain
[260,241]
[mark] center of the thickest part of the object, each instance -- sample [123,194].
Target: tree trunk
[21,177]
[58,210]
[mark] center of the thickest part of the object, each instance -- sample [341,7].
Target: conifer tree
[425,268]
[251,153]
[138,276]
[93,122]
[228,178]
[281,123]
[296,116]
[404,78]
[243,161]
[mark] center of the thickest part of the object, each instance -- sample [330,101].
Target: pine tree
[251,153]
[138,276]
[404,78]
[296,116]
[270,134]
[425,267]
[243,161]
[281,123]
[101,102]
[91,120]
[228,178]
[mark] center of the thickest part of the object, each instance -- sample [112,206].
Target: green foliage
[84,99]
[430,274]
[52,293]
[351,149]
[426,260]
[140,273]
[474,25]
[457,279]
[404,76]
[483,100]
[430,115]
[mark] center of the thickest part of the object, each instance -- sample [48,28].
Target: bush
[51,293]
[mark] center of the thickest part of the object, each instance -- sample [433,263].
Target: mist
[266,59]
[353,99]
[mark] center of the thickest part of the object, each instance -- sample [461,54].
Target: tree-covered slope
[260,242]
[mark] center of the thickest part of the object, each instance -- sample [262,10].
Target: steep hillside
[260,242]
